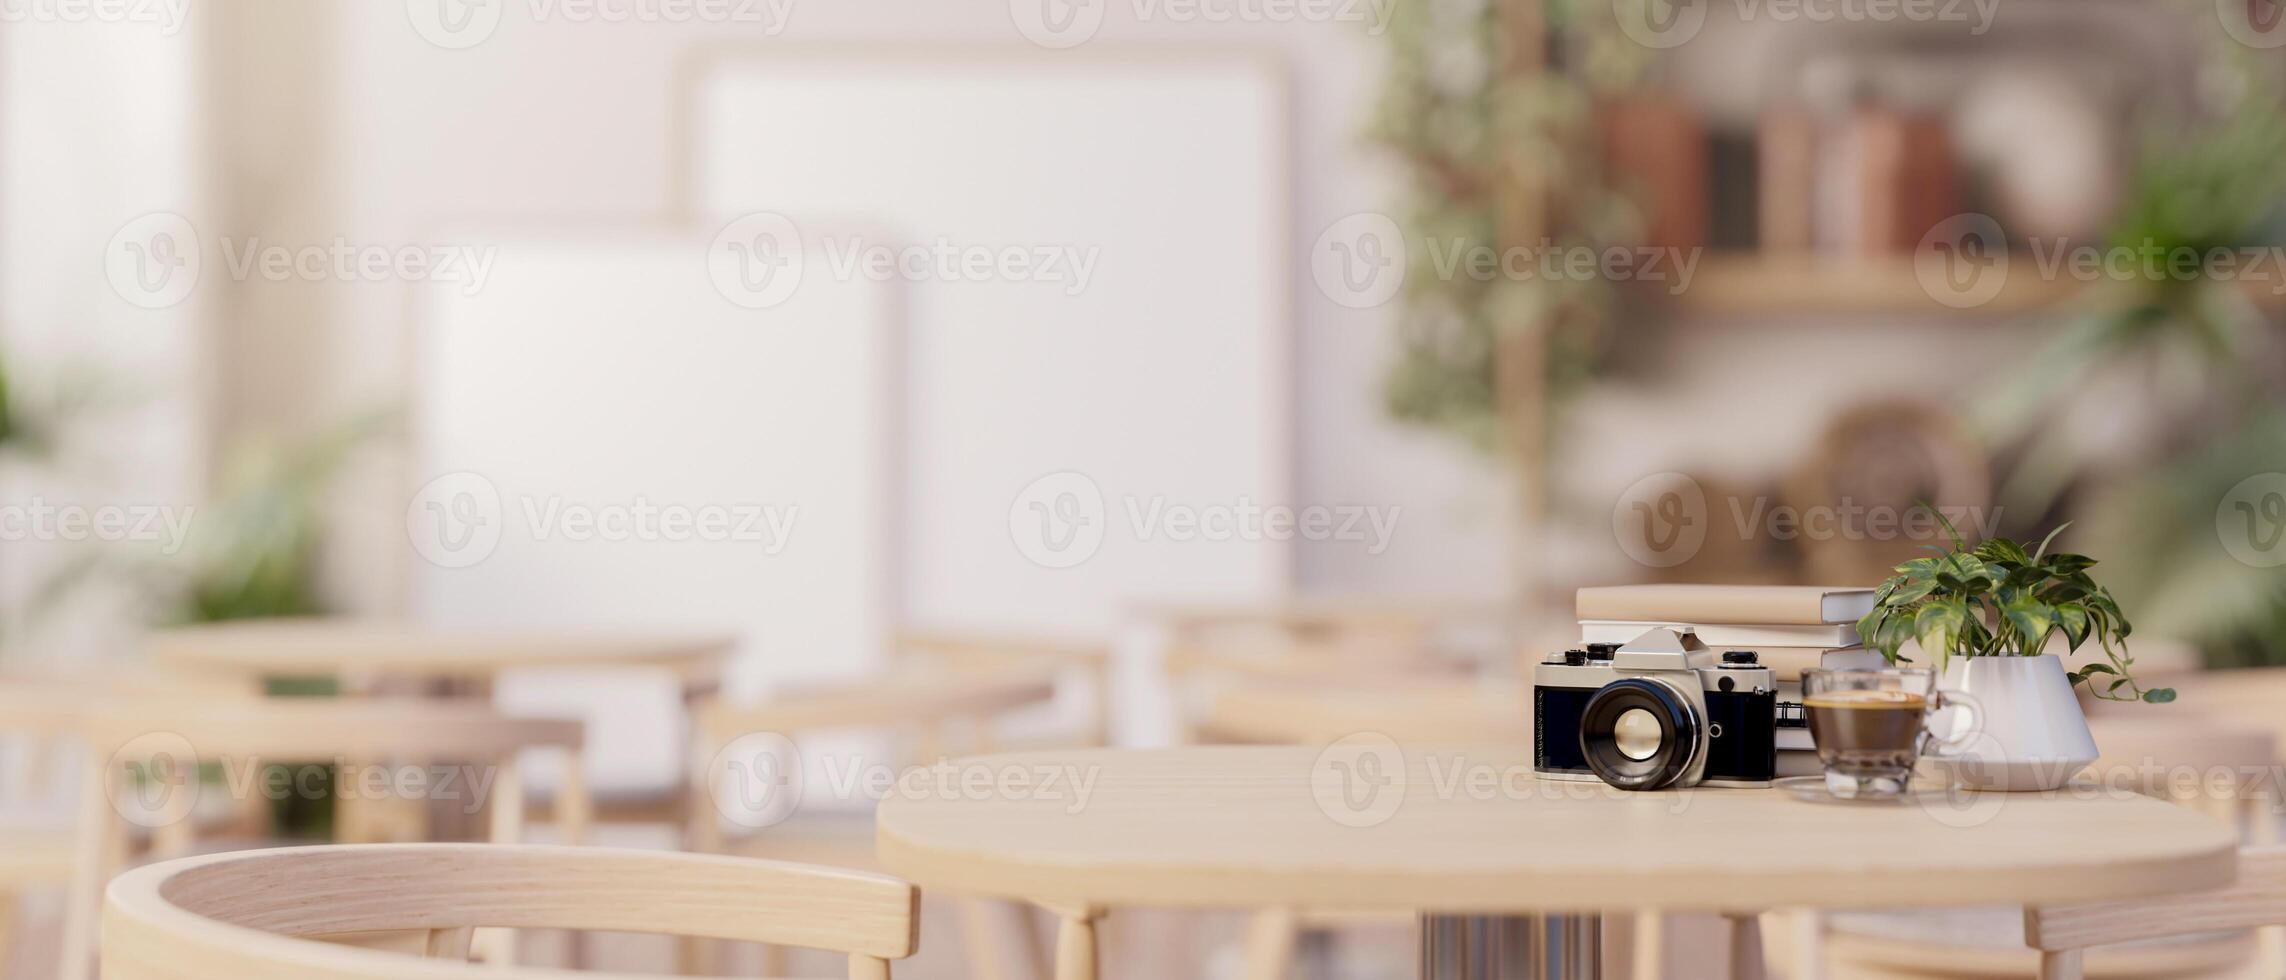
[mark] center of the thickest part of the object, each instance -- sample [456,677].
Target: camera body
[1658,713]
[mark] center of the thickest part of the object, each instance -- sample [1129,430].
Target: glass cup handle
[1959,735]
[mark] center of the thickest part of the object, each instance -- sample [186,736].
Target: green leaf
[2159,695]
[1938,624]
[2044,542]
[1967,568]
[2032,619]
[2073,618]
[2115,685]
[2097,669]
[2065,563]
[2064,590]
[1950,530]
[1870,623]
[1914,590]
[1892,636]
[2003,550]
[2101,601]
[1918,568]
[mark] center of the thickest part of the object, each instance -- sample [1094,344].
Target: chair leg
[1076,957]
[1270,937]
[702,826]
[101,846]
[1650,945]
[698,957]
[1000,940]
[507,823]
[449,944]
[575,805]
[2060,965]
[7,931]
[1746,961]
[1809,934]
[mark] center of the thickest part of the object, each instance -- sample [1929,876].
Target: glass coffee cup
[1870,726]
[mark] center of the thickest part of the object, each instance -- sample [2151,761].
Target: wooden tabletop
[334,646]
[1470,830]
[1425,712]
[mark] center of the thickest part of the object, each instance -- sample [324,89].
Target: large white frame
[994,144]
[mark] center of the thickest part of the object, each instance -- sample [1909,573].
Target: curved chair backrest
[2258,898]
[247,915]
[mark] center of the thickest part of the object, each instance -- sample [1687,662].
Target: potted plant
[1985,615]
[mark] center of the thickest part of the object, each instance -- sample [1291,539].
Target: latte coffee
[1866,732]
[1869,726]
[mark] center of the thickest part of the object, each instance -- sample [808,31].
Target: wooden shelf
[1795,285]
[1758,285]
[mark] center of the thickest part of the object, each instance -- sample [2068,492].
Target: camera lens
[1639,734]
[1636,734]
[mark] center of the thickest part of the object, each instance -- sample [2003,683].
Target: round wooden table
[1496,860]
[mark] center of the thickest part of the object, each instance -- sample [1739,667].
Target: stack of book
[1790,628]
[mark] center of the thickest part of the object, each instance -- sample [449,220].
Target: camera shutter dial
[1639,734]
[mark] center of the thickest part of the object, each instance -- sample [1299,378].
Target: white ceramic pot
[2033,737]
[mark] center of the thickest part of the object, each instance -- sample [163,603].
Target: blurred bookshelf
[1783,285]
[1776,285]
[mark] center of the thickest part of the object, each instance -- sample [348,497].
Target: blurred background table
[467,661]
[1412,712]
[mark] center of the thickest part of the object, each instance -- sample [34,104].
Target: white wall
[100,131]
[579,119]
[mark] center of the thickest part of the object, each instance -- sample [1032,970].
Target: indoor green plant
[2000,599]
[1985,615]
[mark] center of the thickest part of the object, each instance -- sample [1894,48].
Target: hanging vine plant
[1475,133]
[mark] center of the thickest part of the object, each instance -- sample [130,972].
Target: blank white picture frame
[601,370]
[1162,384]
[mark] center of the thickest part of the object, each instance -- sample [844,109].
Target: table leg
[1553,947]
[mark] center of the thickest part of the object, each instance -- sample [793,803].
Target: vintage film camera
[1656,713]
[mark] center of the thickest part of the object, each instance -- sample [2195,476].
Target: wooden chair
[2143,753]
[940,711]
[34,855]
[134,741]
[2062,934]
[265,915]
[44,710]
[989,653]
